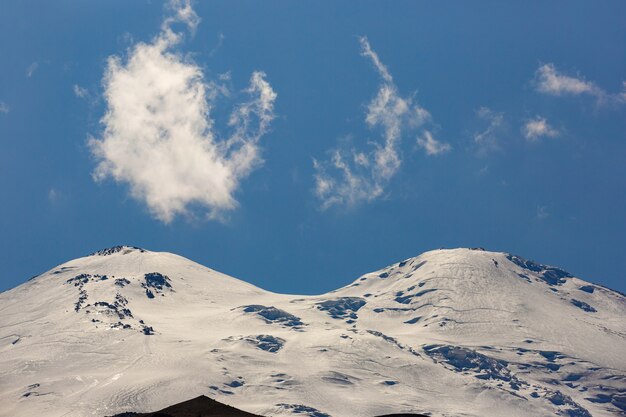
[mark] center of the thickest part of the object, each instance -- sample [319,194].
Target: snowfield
[461,332]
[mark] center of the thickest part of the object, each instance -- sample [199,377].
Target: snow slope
[457,332]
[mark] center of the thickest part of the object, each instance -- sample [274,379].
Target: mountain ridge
[448,332]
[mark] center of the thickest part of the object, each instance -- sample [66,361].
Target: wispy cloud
[4,108]
[218,45]
[366,51]
[487,140]
[158,136]
[181,12]
[53,195]
[80,92]
[431,145]
[537,128]
[548,80]
[351,175]
[542,213]
[31,69]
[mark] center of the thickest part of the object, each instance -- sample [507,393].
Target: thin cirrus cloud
[351,176]
[158,136]
[537,128]
[487,140]
[32,68]
[542,213]
[80,92]
[431,145]
[4,108]
[548,80]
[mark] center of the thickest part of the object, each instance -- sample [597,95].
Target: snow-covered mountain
[461,332]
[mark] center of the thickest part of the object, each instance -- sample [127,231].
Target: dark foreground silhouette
[205,407]
[198,407]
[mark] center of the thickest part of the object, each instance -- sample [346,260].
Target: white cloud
[182,12]
[53,195]
[218,45]
[487,139]
[31,69]
[542,213]
[537,128]
[80,92]
[549,80]
[351,176]
[431,145]
[4,108]
[158,136]
[353,186]
[366,50]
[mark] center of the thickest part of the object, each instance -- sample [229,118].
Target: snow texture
[460,332]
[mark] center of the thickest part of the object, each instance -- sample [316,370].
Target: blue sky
[338,139]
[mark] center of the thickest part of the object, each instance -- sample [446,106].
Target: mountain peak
[122,249]
[533,339]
